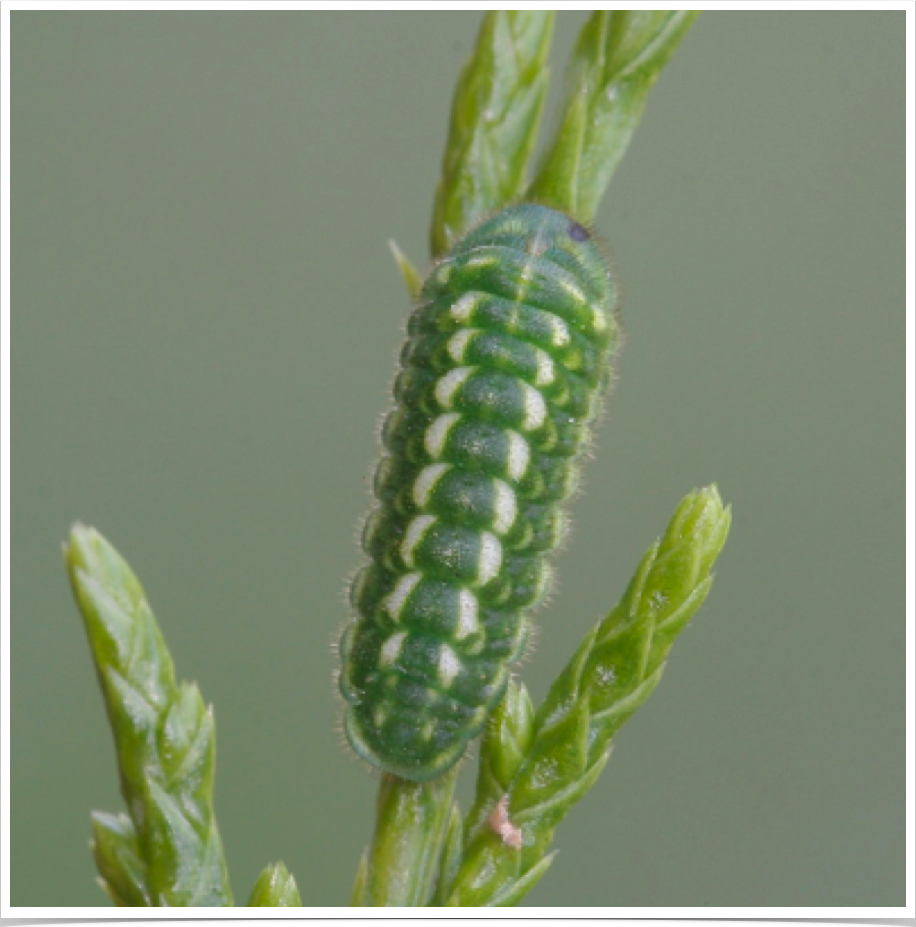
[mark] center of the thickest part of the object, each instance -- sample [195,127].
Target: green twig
[615,669]
[617,58]
[169,853]
[401,863]
[495,116]
[451,858]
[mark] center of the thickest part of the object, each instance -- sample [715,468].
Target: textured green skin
[506,362]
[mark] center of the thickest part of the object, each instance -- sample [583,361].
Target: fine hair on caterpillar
[503,371]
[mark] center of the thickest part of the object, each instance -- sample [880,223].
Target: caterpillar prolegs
[505,365]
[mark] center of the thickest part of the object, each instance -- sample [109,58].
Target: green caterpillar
[505,366]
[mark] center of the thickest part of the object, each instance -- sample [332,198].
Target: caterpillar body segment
[505,365]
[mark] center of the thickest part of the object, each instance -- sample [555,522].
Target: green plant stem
[615,669]
[617,58]
[495,116]
[169,853]
[402,861]
[451,857]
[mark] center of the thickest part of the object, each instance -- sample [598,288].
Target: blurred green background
[206,319]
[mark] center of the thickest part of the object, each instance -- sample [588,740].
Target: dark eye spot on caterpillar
[507,357]
[578,232]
